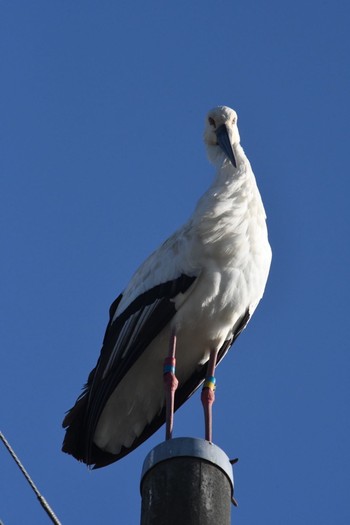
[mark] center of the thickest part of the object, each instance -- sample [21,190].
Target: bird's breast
[234,254]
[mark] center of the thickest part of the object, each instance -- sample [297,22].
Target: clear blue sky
[101,119]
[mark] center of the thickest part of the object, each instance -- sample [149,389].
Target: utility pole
[187,481]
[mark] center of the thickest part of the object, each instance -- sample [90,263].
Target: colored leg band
[169,365]
[210,382]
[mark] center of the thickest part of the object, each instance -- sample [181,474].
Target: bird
[180,313]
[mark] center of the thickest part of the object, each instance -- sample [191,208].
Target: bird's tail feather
[74,424]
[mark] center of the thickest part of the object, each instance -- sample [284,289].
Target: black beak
[225,143]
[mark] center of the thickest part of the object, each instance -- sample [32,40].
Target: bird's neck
[230,180]
[231,198]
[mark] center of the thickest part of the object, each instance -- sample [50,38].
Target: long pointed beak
[225,143]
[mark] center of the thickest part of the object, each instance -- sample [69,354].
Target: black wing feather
[156,308]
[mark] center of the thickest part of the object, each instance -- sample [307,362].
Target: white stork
[190,300]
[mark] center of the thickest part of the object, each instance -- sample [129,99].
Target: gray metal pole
[186,481]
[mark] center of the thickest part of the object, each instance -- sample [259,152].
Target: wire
[41,498]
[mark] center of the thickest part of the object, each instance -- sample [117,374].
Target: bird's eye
[212,122]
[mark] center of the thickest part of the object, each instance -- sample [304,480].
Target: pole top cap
[189,447]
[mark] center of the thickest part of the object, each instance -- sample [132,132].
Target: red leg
[170,386]
[208,396]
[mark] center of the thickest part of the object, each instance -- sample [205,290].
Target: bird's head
[221,134]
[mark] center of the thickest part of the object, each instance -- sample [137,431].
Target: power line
[41,498]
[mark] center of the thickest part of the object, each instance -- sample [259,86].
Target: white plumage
[202,284]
